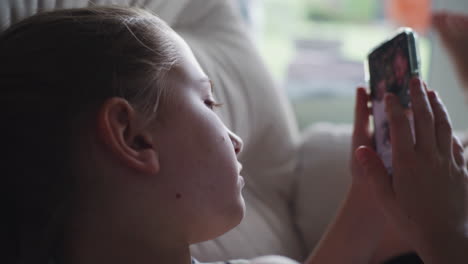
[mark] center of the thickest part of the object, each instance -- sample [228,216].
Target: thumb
[376,175]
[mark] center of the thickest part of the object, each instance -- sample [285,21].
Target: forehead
[187,73]
[188,64]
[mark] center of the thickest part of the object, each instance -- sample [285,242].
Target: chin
[221,224]
[236,216]
[239,215]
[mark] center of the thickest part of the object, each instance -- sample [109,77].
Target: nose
[236,142]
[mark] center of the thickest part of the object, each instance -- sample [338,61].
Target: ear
[121,131]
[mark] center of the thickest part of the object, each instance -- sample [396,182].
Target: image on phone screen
[390,72]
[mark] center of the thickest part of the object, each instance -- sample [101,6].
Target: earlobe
[119,129]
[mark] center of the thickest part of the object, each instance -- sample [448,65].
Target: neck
[97,239]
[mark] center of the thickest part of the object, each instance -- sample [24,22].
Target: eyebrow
[206,80]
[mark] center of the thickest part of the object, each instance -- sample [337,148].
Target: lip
[241,181]
[240,167]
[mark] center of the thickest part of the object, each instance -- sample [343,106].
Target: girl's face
[199,173]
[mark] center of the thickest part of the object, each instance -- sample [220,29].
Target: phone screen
[390,71]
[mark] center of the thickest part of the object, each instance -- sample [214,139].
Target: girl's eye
[212,104]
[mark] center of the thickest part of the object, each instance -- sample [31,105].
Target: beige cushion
[323,178]
[293,182]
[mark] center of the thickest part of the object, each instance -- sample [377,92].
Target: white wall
[442,76]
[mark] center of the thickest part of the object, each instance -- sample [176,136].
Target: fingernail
[437,97]
[415,81]
[360,90]
[424,85]
[432,95]
[416,84]
[361,155]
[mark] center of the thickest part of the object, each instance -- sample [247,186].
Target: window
[316,50]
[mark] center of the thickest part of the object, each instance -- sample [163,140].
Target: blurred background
[316,50]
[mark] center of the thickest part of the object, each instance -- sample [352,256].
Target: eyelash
[212,104]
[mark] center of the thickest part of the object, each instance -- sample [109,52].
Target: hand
[360,195]
[453,31]
[383,235]
[427,195]
[359,223]
[360,204]
[361,134]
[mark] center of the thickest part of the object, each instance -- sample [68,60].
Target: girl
[114,153]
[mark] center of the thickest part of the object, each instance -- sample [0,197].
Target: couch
[294,180]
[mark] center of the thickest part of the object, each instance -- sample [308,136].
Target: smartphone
[390,67]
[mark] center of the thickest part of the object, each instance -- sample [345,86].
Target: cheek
[199,157]
[209,139]
[203,183]
[213,165]
[198,153]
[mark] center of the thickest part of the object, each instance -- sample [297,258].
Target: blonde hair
[54,66]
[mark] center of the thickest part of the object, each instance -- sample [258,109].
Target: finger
[361,133]
[457,23]
[400,129]
[458,152]
[376,175]
[451,27]
[439,20]
[426,88]
[442,125]
[423,117]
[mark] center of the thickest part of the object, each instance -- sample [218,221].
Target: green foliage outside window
[341,10]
